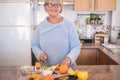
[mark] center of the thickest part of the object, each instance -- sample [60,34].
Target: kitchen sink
[115,49]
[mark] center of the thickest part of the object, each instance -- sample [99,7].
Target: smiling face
[53,7]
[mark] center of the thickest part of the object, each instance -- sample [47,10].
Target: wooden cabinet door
[103,59]
[87,57]
[105,5]
[85,5]
[96,5]
[112,62]
[111,5]
[68,0]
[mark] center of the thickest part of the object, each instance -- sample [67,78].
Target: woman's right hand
[43,57]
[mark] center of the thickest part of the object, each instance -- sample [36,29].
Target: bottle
[88,21]
[92,21]
[38,67]
[101,20]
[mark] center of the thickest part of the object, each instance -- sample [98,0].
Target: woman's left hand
[66,61]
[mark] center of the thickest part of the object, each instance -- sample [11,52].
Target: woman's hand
[66,61]
[43,57]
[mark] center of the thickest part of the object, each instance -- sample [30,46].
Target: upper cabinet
[68,0]
[95,5]
[84,5]
[105,5]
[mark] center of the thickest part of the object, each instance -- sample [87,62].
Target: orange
[37,79]
[63,69]
[33,77]
[37,64]
[48,77]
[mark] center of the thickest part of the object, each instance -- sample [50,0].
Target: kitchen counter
[96,72]
[115,57]
[101,72]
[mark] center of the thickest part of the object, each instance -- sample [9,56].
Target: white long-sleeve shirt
[57,41]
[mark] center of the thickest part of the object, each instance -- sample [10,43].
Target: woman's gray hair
[55,1]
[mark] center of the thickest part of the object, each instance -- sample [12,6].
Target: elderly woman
[55,40]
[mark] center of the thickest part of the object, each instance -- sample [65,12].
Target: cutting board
[70,78]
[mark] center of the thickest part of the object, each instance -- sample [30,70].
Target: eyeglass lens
[51,5]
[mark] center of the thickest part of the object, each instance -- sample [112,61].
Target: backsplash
[88,24]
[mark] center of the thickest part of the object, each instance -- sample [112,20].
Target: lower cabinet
[112,62]
[94,56]
[103,59]
[87,57]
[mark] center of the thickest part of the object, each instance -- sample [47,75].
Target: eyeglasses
[50,5]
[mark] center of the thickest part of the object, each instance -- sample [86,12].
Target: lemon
[28,68]
[82,75]
[76,72]
[71,72]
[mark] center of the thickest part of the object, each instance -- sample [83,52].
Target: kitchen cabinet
[105,5]
[68,0]
[94,56]
[87,57]
[112,62]
[84,5]
[103,59]
[95,5]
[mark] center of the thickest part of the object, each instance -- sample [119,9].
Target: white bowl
[45,72]
[27,70]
